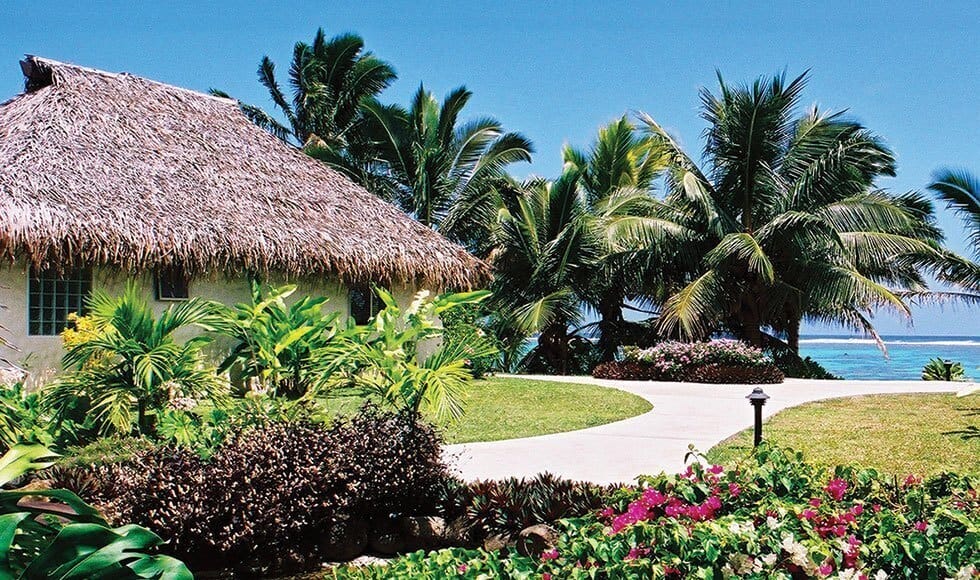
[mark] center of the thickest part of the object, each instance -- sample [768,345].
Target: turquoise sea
[860,358]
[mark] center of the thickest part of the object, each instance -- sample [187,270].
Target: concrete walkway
[683,413]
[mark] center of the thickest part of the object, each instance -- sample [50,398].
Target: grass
[507,408]
[895,434]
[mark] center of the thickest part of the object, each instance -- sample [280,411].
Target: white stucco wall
[41,355]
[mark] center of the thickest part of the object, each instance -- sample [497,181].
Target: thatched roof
[114,169]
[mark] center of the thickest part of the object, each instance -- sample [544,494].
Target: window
[172,284]
[364,304]
[52,296]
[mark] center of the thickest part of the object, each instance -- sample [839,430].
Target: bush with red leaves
[267,497]
[728,374]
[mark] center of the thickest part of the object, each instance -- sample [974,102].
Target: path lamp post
[757,399]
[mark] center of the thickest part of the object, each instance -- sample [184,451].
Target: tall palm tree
[793,223]
[640,235]
[542,258]
[329,79]
[961,192]
[441,172]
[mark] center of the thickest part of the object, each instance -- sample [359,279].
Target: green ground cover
[896,434]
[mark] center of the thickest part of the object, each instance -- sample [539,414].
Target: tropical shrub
[283,487]
[935,370]
[275,343]
[505,507]
[62,537]
[770,516]
[465,326]
[128,365]
[717,361]
[23,418]
[401,360]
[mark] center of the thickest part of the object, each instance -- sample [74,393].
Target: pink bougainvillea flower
[857,509]
[912,480]
[637,553]
[852,552]
[836,488]
[549,555]
[546,576]
[826,569]
[876,507]
[716,469]
[734,490]
[921,526]
[461,568]
[621,521]
[808,514]
[653,498]
[638,511]
[607,513]
[815,502]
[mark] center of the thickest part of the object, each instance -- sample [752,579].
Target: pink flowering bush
[770,516]
[717,361]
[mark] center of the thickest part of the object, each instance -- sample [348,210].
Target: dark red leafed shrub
[626,370]
[505,507]
[271,498]
[722,374]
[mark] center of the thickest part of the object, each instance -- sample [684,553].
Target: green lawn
[506,408]
[896,434]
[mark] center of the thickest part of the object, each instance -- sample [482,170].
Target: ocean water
[860,358]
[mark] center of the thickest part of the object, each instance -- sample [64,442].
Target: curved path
[683,413]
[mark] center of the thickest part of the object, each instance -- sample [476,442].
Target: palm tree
[329,80]
[793,223]
[443,173]
[132,364]
[542,258]
[640,236]
[961,192]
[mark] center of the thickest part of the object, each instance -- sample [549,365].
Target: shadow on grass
[970,431]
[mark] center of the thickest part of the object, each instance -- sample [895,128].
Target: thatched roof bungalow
[117,172]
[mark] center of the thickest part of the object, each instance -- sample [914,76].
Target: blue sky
[557,70]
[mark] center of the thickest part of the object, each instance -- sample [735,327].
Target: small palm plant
[64,538]
[131,364]
[938,369]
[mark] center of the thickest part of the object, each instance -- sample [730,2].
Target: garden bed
[773,515]
[716,362]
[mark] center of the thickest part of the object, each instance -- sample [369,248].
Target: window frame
[374,302]
[58,290]
[179,276]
